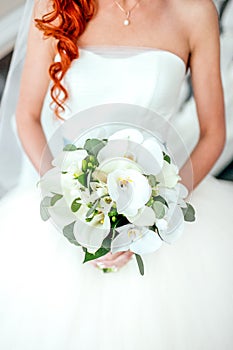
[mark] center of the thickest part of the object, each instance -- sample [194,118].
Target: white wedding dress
[49,300]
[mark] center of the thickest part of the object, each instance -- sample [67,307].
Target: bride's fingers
[118,261]
[109,256]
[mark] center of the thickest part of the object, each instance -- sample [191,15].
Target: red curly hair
[66,22]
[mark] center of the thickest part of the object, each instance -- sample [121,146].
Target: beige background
[8,6]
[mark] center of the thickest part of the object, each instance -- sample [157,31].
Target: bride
[82,54]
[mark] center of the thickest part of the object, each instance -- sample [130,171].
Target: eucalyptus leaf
[55,198]
[152,180]
[92,209]
[159,209]
[108,240]
[93,146]
[107,243]
[75,206]
[89,174]
[100,252]
[46,201]
[160,199]
[189,213]
[68,232]
[140,264]
[70,147]
[44,213]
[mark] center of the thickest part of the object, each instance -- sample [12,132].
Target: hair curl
[66,22]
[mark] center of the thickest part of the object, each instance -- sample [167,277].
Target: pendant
[126,22]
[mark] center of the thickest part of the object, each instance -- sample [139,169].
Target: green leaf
[75,206]
[160,199]
[100,252]
[89,219]
[150,202]
[55,198]
[45,203]
[140,264]
[107,241]
[93,146]
[44,213]
[70,147]
[84,165]
[166,158]
[82,179]
[189,213]
[152,180]
[92,209]
[88,181]
[68,232]
[159,209]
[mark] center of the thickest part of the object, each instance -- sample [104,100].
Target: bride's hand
[110,260]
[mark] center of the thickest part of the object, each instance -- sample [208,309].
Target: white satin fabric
[131,75]
[49,300]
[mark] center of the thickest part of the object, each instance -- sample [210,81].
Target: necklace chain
[126,12]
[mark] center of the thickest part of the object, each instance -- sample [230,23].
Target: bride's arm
[34,84]
[207,87]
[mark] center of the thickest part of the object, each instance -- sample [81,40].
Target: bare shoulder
[42,7]
[200,18]
[197,9]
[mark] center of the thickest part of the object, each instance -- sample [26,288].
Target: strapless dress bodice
[150,78]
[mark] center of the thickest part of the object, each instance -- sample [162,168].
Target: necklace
[127,13]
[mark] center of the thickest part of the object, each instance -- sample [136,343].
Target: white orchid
[169,175]
[177,194]
[129,189]
[129,143]
[125,179]
[70,161]
[61,214]
[137,239]
[182,194]
[90,234]
[106,204]
[172,225]
[144,217]
[51,182]
[111,164]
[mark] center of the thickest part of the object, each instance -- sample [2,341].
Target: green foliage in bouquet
[155,197]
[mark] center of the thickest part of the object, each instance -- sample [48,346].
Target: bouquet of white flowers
[116,194]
